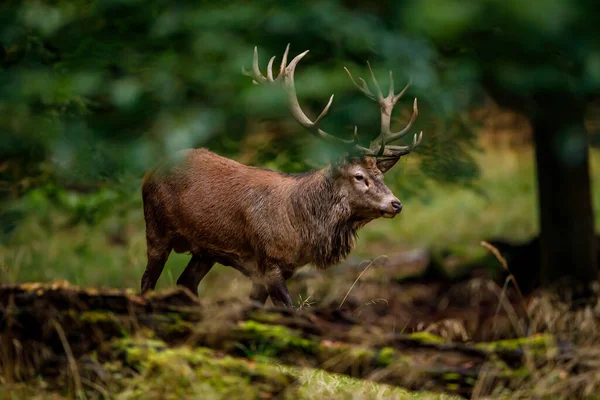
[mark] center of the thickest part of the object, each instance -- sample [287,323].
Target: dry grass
[316,384]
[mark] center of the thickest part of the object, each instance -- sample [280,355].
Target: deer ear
[337,165]
[340,163]
[384,164]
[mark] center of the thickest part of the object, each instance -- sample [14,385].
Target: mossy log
[44,327]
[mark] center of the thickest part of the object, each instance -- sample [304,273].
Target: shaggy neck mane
[324,219]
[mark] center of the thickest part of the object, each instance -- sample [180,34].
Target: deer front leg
[274,281]
[280,295]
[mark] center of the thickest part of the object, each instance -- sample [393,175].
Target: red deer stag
[263,223]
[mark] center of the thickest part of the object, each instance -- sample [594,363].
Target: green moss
[451,376]
[426,337]
[316,384]
[101,321]
[386,356]
[522,372]
[266,316]
[537,345]
[95,317]
[183,372]
[279,338]
[288,346]
[136,351]
[535,342]
[177,325]
[452,387]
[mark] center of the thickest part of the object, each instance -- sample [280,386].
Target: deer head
[359,177]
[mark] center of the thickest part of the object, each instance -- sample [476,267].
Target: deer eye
[359,177]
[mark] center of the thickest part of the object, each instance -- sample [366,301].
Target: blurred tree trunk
[567,234]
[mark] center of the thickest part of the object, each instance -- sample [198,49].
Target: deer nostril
[396,206]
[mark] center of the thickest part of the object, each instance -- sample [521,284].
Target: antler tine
[387,106]
[363,88]
[286,74]
[325,110]
[296,110]
[399,95]
[379,94]
[378,145]
[270,69]
[392,136]
[398,151]
[255,73]
[283,62]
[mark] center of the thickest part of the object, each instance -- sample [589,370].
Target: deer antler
[286,75]
[387,104]
[378,146]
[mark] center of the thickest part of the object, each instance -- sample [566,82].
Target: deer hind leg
[158,253]
[259,293]
[196,269]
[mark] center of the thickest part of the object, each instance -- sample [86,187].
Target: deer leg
[157,257]
[280,294]
[196,269]
[274,280]
[259,293]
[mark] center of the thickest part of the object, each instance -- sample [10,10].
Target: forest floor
[390,336]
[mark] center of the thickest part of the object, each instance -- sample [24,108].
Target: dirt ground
[395,321]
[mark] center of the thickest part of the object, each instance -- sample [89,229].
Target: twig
[361,274]
[496,252]
[70,358]
[511,277]
[97,387]
[502,301]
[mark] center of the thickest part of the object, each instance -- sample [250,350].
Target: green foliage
[92,93]
[530,48]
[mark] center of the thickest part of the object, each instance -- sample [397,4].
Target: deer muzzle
[393,209]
